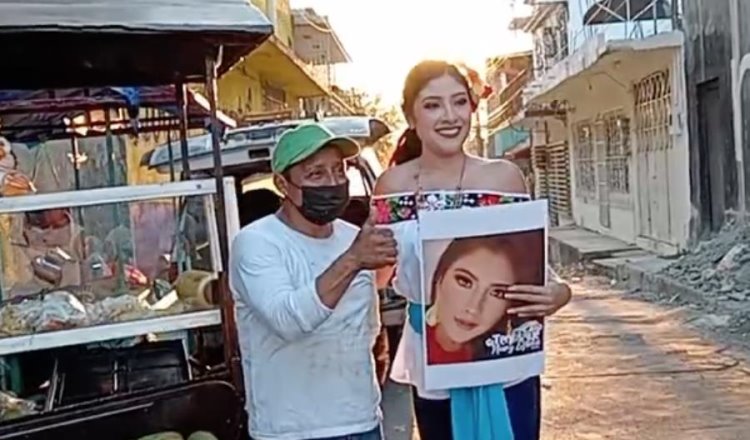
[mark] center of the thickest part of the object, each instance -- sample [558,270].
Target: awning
[33,116]
[82,43]
[277,63]
[507,138]
[619,11]
[591,58]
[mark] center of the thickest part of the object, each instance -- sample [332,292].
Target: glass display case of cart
[95,265]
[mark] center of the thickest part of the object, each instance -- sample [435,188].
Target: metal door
[602,176]
[653,113]
[710,157]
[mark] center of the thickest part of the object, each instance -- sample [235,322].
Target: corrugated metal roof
[132,16]
[87,43]
[41,121]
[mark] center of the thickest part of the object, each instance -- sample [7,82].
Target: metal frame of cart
[62,44]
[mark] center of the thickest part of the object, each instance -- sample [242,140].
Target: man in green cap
[306,301]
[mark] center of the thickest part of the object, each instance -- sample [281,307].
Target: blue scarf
[477,413]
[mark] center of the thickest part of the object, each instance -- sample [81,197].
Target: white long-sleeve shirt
[309,370]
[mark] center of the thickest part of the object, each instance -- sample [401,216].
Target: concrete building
[286,76]
[508,75]
[291,75]
[609,91]
[717,54]
[548,141]
[318,45]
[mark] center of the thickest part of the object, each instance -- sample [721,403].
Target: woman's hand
[539,300]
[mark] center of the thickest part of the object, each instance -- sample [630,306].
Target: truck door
[360,191]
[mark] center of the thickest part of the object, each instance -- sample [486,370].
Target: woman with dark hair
[430,171]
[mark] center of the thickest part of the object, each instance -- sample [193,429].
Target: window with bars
[585,160]
[653,112]
[606,142]
[617,133]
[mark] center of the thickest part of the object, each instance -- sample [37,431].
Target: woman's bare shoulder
[399,178]
[502,175]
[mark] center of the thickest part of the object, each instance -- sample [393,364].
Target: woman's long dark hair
[409,145]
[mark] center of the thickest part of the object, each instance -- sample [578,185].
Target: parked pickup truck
[246,153]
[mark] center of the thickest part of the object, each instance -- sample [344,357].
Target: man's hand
[374,246]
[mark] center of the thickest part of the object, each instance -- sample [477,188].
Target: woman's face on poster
[471,294]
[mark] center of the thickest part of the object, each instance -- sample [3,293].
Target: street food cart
[92,278]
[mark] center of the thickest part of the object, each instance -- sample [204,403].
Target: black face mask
[323,204]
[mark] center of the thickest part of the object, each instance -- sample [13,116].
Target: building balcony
[548,25]
[501,70]
[598,27]
[549,92]
[508,102]
[323,74]
[315,41]
[541,12]
[618,20]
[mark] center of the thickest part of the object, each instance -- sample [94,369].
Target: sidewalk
[635,268]
[714,276]
[571,244]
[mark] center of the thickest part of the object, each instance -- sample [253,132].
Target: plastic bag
[61,310]
[12,407]
[112,309]
[14,322]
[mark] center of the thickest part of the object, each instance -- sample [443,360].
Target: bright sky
[385,38]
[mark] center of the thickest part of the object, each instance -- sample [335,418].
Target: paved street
[623,368]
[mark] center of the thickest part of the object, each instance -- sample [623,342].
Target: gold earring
[431,315]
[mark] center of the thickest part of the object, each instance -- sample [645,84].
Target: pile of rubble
[720,264]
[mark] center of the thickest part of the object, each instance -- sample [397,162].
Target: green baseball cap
[301,142]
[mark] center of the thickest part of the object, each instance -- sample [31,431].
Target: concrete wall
[284,26]
[606,87]
[281,15]
[546,55]
[588,102]
[716,186]
[240,91]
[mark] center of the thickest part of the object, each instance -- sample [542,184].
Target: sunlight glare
[386,38]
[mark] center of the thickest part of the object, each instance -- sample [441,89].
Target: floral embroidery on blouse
[398,208]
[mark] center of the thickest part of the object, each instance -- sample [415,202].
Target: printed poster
[470,257]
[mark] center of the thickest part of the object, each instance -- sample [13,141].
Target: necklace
[419,196]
